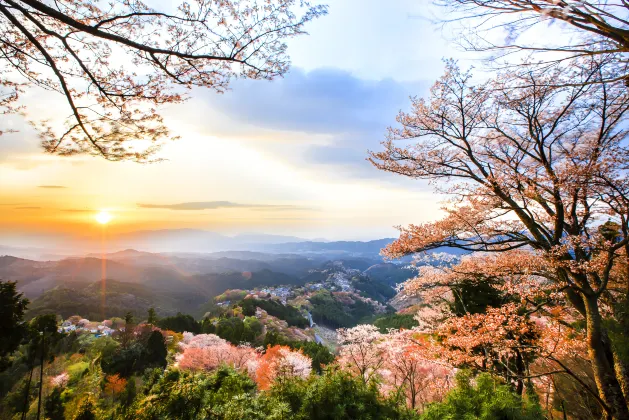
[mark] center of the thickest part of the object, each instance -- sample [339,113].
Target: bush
[488,400]
[231,395]
[336,395]
[186,396]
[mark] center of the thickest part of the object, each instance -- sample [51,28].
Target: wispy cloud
[51,186]
[213,205]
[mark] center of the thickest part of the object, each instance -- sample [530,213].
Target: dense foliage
[486,400]
[319,354]
[180,323]
[328,310]
[288,313]
[143,372]
[230,395]
[395,321]
[12,329]
[381,292]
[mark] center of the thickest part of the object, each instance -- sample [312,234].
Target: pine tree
[53,407]
[12,329]
[157,351]
[152,316]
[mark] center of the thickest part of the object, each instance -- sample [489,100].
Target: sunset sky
[282,157]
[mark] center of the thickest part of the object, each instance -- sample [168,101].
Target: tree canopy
[116,63]
[534,168]
[597,29]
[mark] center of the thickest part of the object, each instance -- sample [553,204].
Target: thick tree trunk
[608,386]
[622,373]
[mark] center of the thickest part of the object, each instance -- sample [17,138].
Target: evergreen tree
[156,349]
[152,317]
[127,335]
[53,407]
[12,328]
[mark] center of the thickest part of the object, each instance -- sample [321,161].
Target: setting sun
[103,217]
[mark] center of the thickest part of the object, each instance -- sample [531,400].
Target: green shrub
[487,400]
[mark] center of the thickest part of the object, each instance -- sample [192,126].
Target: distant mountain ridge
[365,248]
[56,246]
[195,240]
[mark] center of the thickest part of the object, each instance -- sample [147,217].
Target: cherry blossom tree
[201,340]
[116,62]
[208,352]
[281,362]
[411,369]
[530,165]
[594,28]
[60,380]
[528,336]
[500,340]
[362,350]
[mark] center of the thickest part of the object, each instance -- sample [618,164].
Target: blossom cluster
[208,352]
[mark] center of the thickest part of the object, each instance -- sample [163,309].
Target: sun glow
[103,217]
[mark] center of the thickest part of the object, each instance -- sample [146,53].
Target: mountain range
[178,241]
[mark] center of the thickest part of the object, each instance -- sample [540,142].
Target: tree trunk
[41,376]
[520,370]
[604,375]
[28,390]
[413,390]
[622,373]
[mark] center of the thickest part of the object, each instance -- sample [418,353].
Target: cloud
[321,101]
[77,210]
[332,116]
[212,205]
[51,186]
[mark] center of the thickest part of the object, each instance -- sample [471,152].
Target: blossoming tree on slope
[532,165]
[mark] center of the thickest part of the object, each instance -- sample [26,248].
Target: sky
[283,157]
